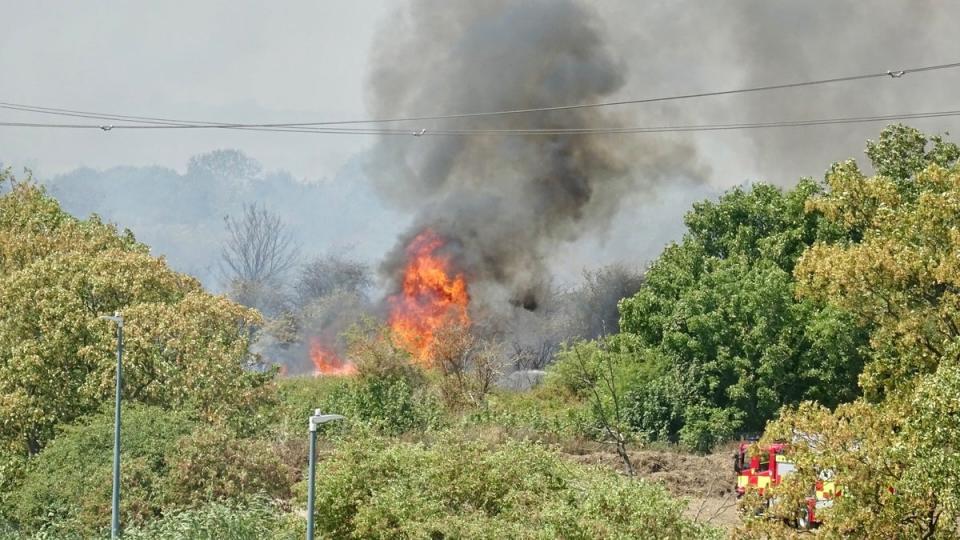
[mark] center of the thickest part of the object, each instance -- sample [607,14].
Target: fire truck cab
[767,467]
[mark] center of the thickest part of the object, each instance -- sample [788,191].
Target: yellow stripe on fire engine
[743,480]
[828,488]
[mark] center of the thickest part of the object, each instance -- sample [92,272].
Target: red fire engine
[768,467]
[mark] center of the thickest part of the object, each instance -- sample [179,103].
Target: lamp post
[315,420]
[117,317]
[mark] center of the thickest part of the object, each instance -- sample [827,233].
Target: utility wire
[533,132]
[896,74]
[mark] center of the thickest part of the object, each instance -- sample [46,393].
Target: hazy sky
[309,60]
[306,59]
[215,59]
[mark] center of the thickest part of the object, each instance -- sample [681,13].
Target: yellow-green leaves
[184,347]
[902,278]
[894,452]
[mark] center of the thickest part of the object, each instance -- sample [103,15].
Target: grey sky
[247,60]
[213,60]
[309,60]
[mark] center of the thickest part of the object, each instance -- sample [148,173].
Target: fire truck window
[764,462]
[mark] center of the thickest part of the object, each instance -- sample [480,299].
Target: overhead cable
[899,73]
[610,130]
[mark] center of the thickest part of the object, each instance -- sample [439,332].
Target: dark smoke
[507,204]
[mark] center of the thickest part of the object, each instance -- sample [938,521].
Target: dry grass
[706,481]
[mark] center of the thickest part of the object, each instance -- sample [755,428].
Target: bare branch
[258,248]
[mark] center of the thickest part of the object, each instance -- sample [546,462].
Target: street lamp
[117,317]
[315,420]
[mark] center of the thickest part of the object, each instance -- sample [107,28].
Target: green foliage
[168,461]
[893,451]
[901,278]
[70,481]
[394,402]
[388,406]
[389,393]
[185,348]
[601,373]
[254,520]
[542,412]
[212,464]
[718,316]
[902,151]
[656,407]
[458,489]
[298,397]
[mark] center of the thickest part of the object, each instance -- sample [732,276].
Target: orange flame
[326,362]
[430,299]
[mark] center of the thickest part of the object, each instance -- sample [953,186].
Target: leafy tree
[902,277]
[720,313]
[893,451]
[185,348]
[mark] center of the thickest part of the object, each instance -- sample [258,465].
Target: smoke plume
[506,204]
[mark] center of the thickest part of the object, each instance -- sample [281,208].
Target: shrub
[467,366]
[390,406]
[656,409]
[212,465]
[254,520]
[70,480]
[542,411]
[168,461]
[459,489]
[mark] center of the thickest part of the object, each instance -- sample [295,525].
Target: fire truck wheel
[803,520]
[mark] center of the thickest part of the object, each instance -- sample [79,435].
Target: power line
[169,121]
[529,132]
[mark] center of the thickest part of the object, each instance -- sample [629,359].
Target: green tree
[720,312]
[185,348]
[893,452]
[902,278]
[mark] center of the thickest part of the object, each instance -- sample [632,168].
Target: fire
[326,362]
[431,297]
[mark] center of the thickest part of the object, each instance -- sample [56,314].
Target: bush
[168,461]
[459,489]
[390,406]
[70,480]
[707,426]
[655,409]
[212,465]
[542,411]
[254,520]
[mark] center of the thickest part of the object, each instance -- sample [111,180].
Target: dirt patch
[706,481]
[684,475]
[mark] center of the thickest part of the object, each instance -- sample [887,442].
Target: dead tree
[609,417]
[258,249]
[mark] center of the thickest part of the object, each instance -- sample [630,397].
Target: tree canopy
[58,274]
[893,451]
[719,312]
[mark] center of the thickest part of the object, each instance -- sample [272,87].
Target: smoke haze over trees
[524,225]
[182,214]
